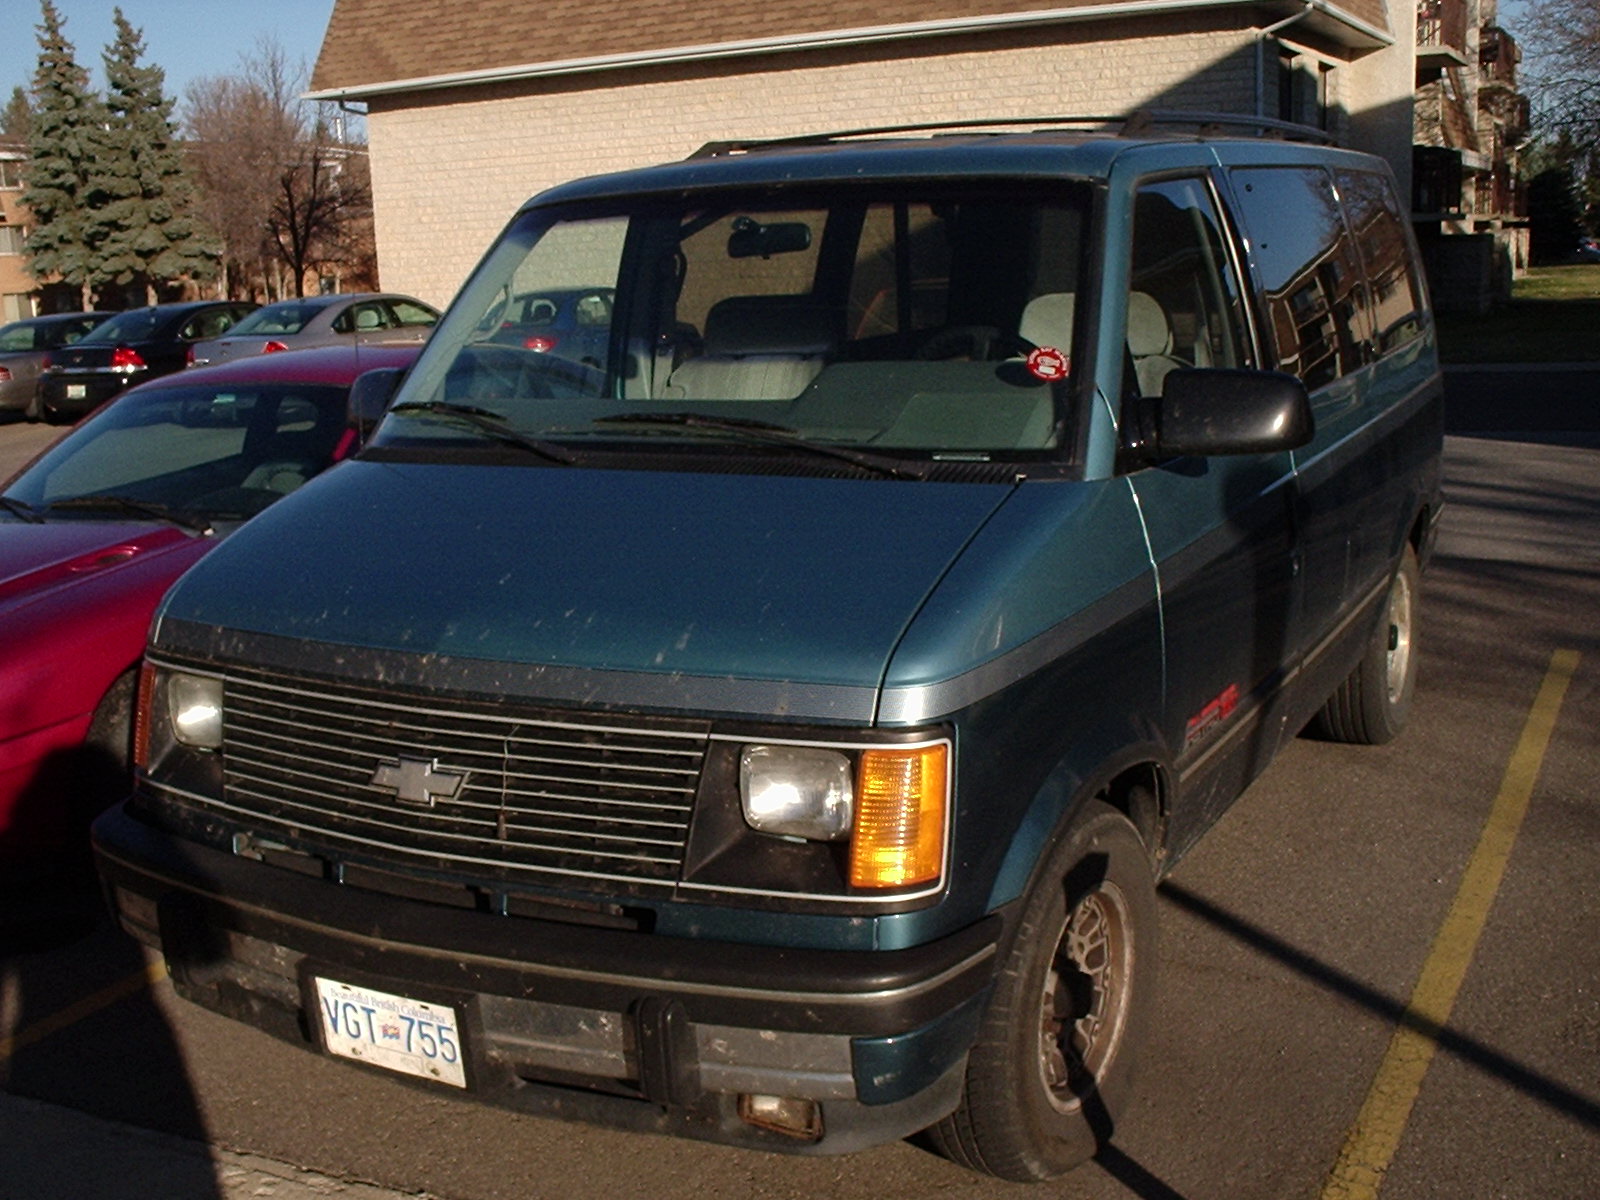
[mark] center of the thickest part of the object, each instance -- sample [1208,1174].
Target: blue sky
[188,39]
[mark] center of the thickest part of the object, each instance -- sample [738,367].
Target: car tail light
[126,358]
[44,361]
[5,374]
[543,343]
[188,357]
[273,347]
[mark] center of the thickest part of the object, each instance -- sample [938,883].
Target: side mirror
[1211,411]
[370,395]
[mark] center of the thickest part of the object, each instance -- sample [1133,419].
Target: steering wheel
[980,343]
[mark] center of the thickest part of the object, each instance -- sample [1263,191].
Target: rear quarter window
[1311,278]
[1394,289]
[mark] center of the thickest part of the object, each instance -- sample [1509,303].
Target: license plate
[412,1037]
[77,391]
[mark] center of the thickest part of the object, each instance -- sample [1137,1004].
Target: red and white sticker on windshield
[1048,363]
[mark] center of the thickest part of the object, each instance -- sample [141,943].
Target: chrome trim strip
[595,687]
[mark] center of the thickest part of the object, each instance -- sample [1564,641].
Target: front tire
[1050,1072]
[1371,706]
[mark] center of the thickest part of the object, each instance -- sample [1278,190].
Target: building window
[11,239]
[11,173]
[1305,89]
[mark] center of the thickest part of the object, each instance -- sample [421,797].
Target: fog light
[788,1115]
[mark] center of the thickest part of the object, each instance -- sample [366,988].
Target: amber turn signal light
[901,806]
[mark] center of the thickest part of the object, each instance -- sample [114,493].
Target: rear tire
[1051,1070]
[1371,706]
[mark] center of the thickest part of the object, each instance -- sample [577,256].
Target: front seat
[757,348]
[1150,342]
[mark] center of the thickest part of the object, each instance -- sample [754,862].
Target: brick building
[16,285]
[472,108]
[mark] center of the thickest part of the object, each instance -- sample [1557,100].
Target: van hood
[793,580]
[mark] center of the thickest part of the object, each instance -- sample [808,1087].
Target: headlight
[194,705]
[797,791]
[889,802]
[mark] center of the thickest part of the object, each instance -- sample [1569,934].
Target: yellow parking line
[1370,1144]
[86,1007]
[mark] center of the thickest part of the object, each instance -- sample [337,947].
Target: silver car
[23,346]
[353,318]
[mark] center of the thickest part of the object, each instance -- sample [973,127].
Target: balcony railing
[1498,56]
[1442,25]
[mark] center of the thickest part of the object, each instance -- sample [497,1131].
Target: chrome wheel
[1084,1007]
[1397,662]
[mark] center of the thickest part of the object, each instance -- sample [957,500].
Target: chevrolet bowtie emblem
[417,780]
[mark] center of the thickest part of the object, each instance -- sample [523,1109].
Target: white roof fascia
[812,41]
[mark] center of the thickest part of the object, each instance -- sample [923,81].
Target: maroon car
[94,530]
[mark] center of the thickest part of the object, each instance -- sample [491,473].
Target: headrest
[1047,320]
[792,325]
[1148,331]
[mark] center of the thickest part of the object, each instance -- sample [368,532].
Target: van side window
[1310,276]
[1183,300]
[1380,232]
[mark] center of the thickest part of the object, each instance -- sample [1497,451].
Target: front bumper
[619,1028]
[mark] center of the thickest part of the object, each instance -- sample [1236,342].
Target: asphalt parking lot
[1380,970]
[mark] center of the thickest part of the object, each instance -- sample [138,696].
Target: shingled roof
[377,46]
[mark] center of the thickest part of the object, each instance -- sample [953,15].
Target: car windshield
[214,452]
[277,318]
[921,321]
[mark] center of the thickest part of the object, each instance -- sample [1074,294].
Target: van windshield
[919,321]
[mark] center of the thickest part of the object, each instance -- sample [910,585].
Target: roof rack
[1139,123]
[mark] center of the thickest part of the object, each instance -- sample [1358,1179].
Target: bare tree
[1562,41]
[318,200]
[279,190]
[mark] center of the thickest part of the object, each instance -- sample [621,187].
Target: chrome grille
[536,797]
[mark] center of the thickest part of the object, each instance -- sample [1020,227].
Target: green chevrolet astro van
[770,726]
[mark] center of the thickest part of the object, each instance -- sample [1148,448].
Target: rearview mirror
[750,239]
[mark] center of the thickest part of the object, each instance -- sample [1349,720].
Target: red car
[94,530]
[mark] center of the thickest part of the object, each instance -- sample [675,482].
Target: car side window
[1394,290]
[405,312]
[369,317]
[208,324]
[1184,306]
[1311,278]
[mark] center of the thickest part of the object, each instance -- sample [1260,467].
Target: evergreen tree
[62,139]
[17,115]
[141,227]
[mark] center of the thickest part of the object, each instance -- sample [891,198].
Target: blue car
[772,729]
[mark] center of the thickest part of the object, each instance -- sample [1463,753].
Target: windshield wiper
[776,435]
[486,421]
[26,511]
[143,508]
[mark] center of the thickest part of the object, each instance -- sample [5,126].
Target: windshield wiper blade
[143,508]
[487,421]
[776,435]
[26,511]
